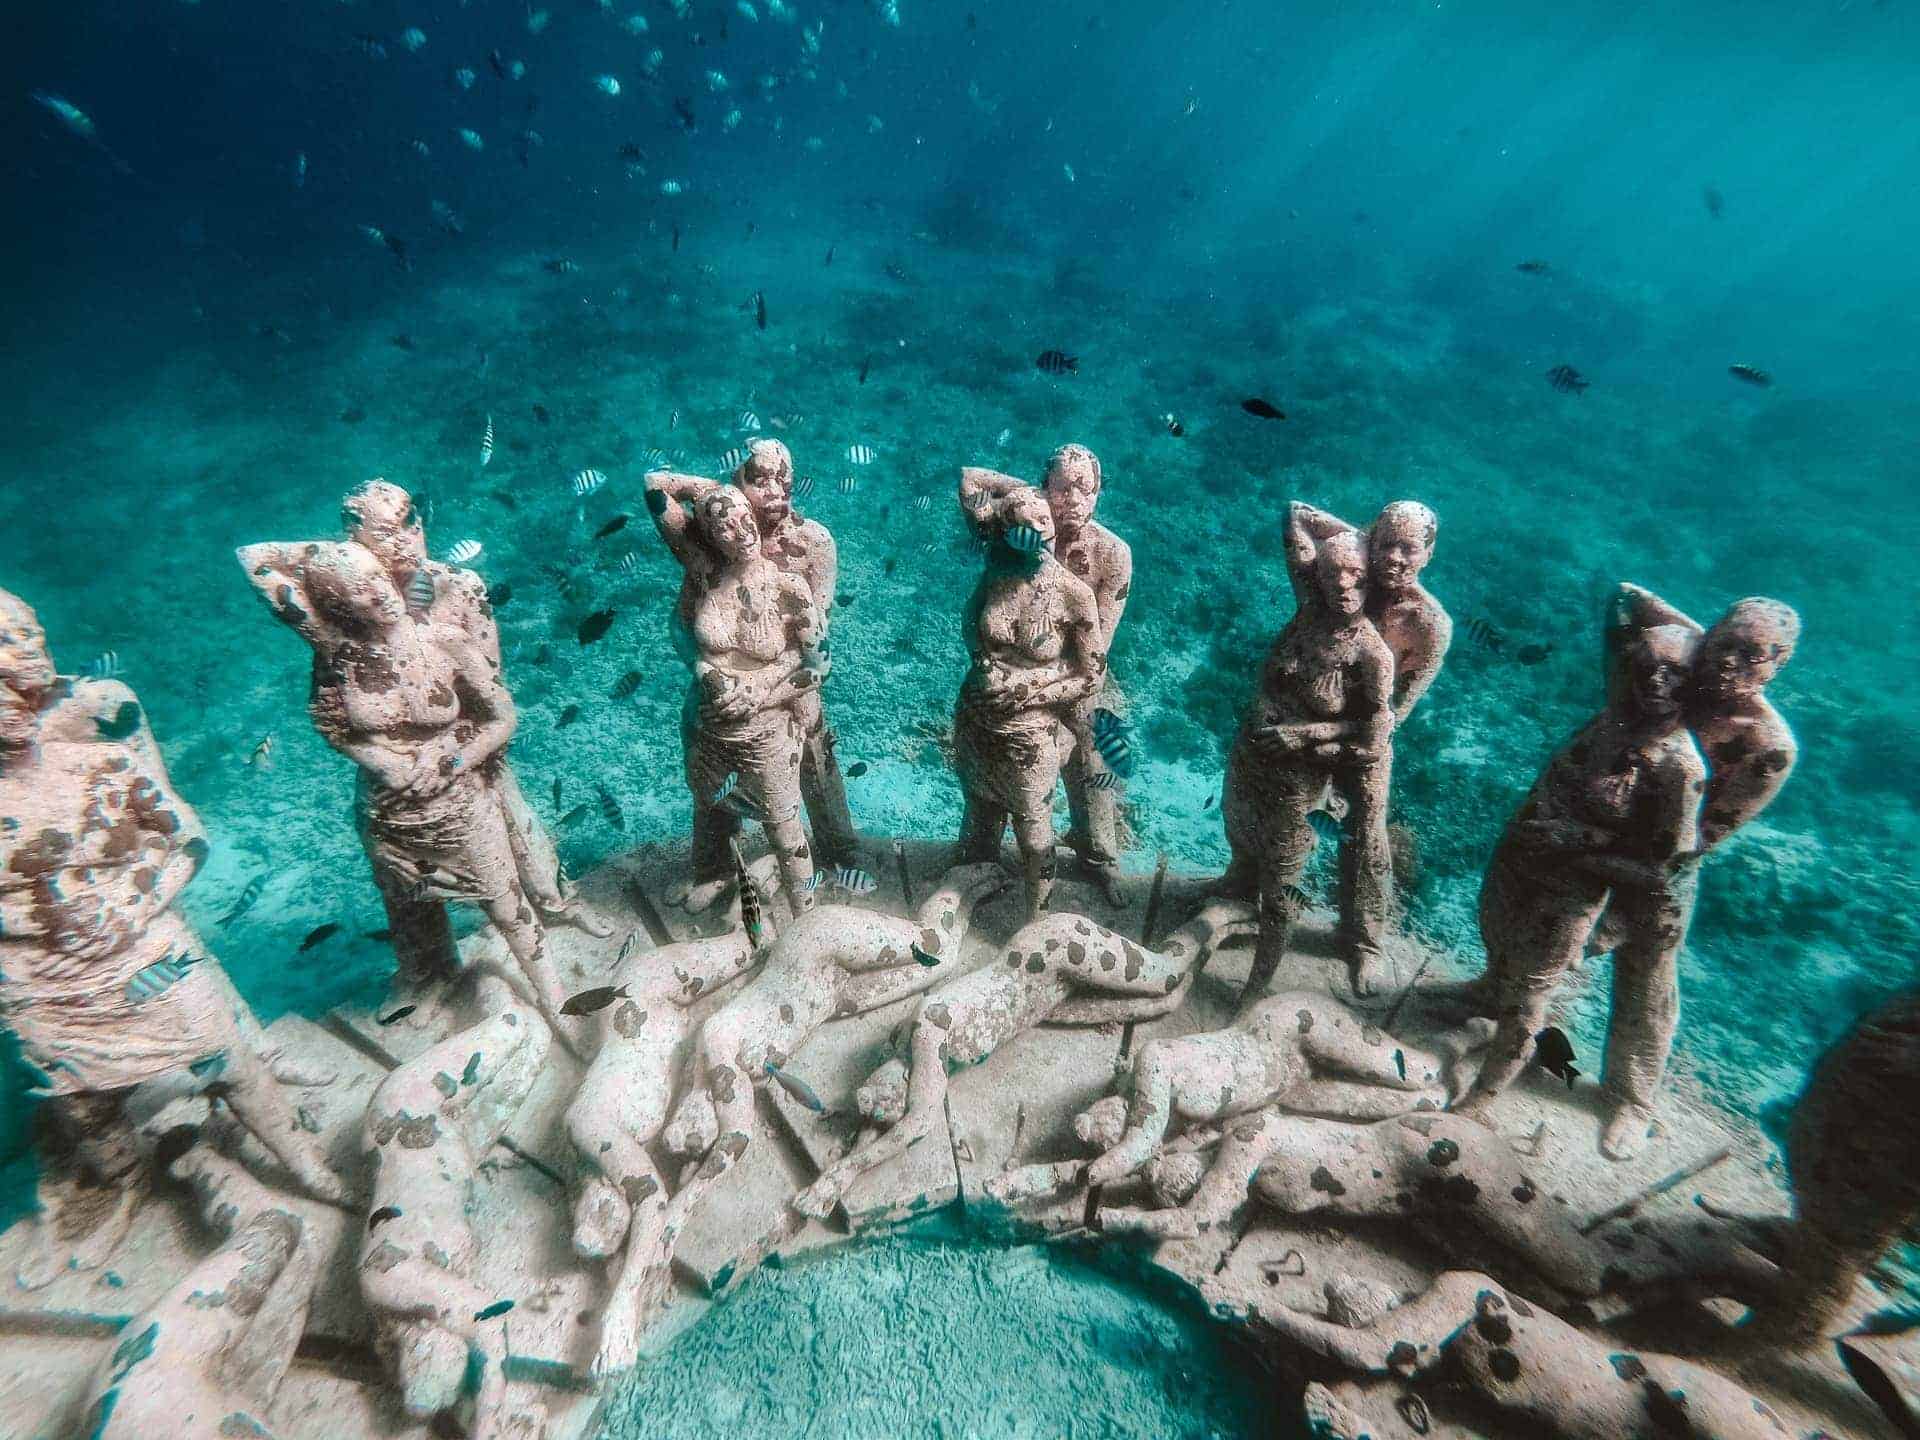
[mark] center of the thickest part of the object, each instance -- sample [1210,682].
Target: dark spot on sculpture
[420,1134]
[939,1015]
[1628,1367]
[723,1082]
[1612,1279]
[443,1082]
[786,1014]
[1420,1125]
[1035,964]
[1504,1364]
[628,1019]
[1495,1327]
[1322,1180]
[1402,1356]
[383,1257]
[1077,953]
[1453,1190]
[1524,1192]
[638,1187]
[1443,1153]
[434,1255]
[1520,1307]
[1413,1410]
[1775,761]
[1306,1022]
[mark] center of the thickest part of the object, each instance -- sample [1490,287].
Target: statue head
[1072,487]
[347,585]
[765,477]
[1023,506]
[26,671]
[726,524]
[1340,574]
[1746,648]
[1659,670]
[381,517]
[1401,544]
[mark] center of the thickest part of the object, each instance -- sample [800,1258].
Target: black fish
[499,1307]
[1553,1053]
[381,1216]
[1713,200]
[399,249]
[1533,267]
[684,110]
[596,625]
[497,64]
[1751,374]
[866,364]
[318,934]
[567,717]
[798,1089]
[632,151]
[1532,654]
[829,259]
[752,918]
[499,594]
[125,721]
[1262,408]
[613,526]
[856,770]
[1209,804]
[556,792]
[1566,379]
[760,309]
[542,414]
[610,809]
[624,687]
[591,1002]
[676,248]
[397,1016]
[1058,362]
[924,957]
[404,341]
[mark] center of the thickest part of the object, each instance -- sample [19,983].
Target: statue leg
[1093,831]
[538,862]
[88,1145]
[1366,872]
[1033,832]
[822,786]
[258,1103]
[982,828]
[422,932]
[1286,844]
[1646,1011]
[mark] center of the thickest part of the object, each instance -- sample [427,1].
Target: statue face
[1072,494]
[1029,507]
[382,518]
[1740,656]
[1661,671]
[1341,568]
[766,479]
[1397,553]
[26,672]
[729,525]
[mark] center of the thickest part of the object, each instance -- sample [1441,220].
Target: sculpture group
[1299,1104]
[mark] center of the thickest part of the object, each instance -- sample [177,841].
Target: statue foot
[576,914]
[818,1200]
[601,1217]
[1105,875]
[619,1335]
[1328,1419]
[1368,970]
[1626,1131]
[695,896]
[1032,1182]
[1161,1224]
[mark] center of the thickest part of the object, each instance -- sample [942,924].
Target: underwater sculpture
[622,1105]
[757,639]
[103,982]
[1062,970]
[1504,1352]
[452,603]
[428,1127]
[1614,809]
[422,721]
[831,962]
[1417,629]
[1301,1052]
[1323,715]
[1104,561]
[1034,635]
[1749,751]
[205,1361]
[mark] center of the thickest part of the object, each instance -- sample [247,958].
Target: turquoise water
[937,1333]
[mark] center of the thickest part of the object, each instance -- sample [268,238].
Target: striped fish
[103,666]
[655,457]
[730,796]
[813,882]
[751,918]
[733,459]
[588,481]
[629,562]
[486,444]
[610,809]
[245,902]
[748,422]
[1110,740]
[929,547]
[465,551]
[673,419]
[853,880]
[1105,780]
[922,502]
[861,454]
[1025,540]
[803,487]
[420,590]
[159,977]
[847,484]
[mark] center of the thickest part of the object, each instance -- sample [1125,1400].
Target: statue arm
[1082,668]
[1630,609]
[1115,584]
[1307,526]
[981,490]
[277,572]
[1413,683]
[668,492]
[1424,1326]
[1649,860]
[1739,790]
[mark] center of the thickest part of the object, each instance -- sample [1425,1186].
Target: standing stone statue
[1323,715]
[102,981]
[1749,751]
[1034,634]
[758,645]
[1615,809]
[1105,562]
[424,724]
[452,603]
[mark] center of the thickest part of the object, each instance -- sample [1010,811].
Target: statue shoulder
[93,710]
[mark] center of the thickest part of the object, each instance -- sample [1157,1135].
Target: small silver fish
[464,551]
[847,484]
[797,1088]
[861,454]
[854,880]
[103,666]
[420,590]
[588,481]
[733,459]
[486,444]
